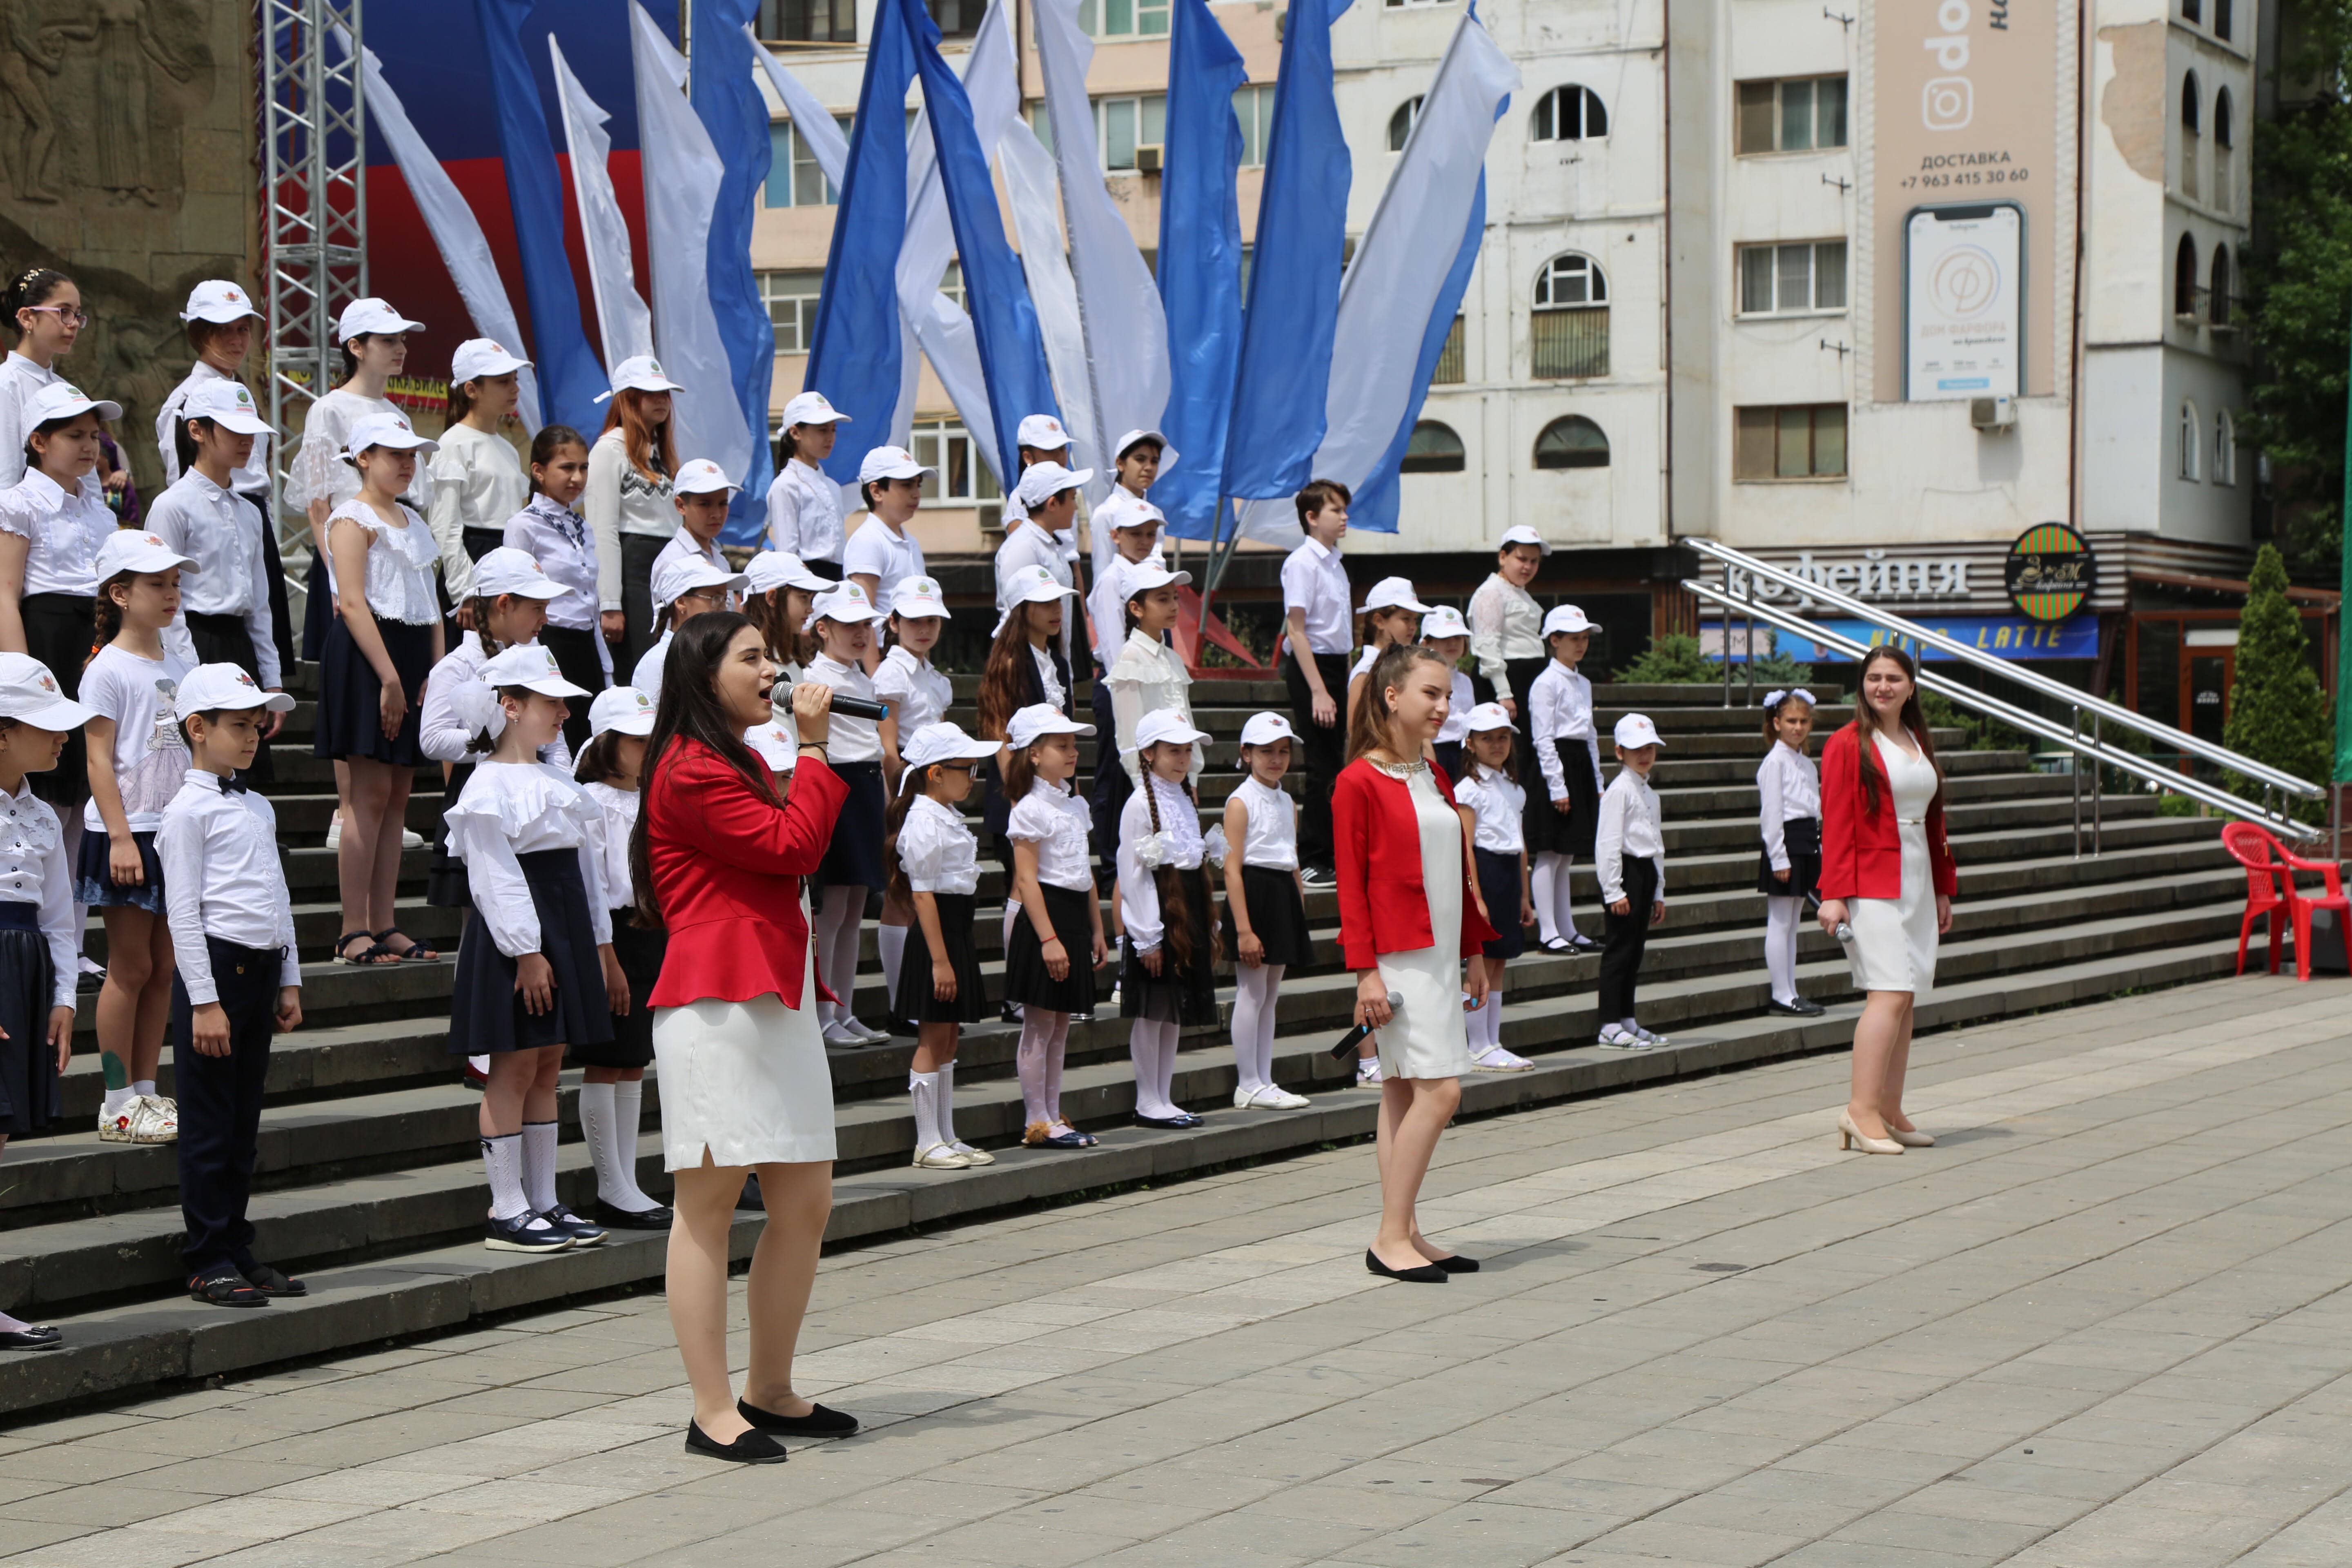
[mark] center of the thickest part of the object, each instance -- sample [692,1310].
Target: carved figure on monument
[127,41]
[32,53]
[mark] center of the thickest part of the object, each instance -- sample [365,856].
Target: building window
[952,284]
[792,307]
[1400,5]
[1571,442]
[2191,437]
[1793,441]
[2225,448]
[1122,19]
[793,178]
[1569,113]
[1570,325]
[1253,107]
[2184,280]
[961,478]
[2189,11]
[957,18]
[2222,18]
[2217,297]
[809,21]
[1123,124]
[2191,139]
[1449,370]
[2225,134]
[1799,114]
[1401,123]
[1433,449]
[1792,280]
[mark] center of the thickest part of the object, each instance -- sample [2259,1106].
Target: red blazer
[1862,851]
[727,869]
[1376,835]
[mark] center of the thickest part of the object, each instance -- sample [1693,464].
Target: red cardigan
[1376,836]
[727,869]
[1862,850]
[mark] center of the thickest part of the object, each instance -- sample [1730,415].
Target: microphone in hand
[859,707]
[1357,1036]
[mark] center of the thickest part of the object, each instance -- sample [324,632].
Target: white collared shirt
[1055,821]
[683,546]
[399,584]
[1271,837]
[253,476]
[1148,677]
[647,675]
[873,550]
[1313,580]
[1506,623]
[222,877]
[118,684]
[1631,826]
[1559,708]
[64,532]
[619,501]
[510,810]
[220,530]
[478,482]
[1178,847]
[1787,789]
[20,380]
[1495,804]
[557,538]
[1107,604]
[620,809]
[441,734]
[804,513]
[852,740]
[939,853]
[33,870]
[917,693]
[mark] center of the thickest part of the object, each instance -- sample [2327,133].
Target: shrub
[2278,713]
[1674,659]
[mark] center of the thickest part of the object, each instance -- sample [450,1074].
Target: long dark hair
[551,439]
[687,710]
[30,289]
[783,639]
[1912,720]
[913,783]
[1004,680]
[106,616]
[1175,888]
[1369,728]
[650,448]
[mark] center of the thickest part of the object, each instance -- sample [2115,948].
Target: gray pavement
[2104,1322]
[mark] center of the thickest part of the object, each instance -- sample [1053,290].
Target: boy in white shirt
[1630,857]
[803,503]
[702,492]
[1318,630]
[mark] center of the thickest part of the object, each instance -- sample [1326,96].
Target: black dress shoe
[753,1448]
[1457,1264]
[818,1422]
[1802,1007]
[616,1218]
[1427,1274]
[750,1198]
[32,1337]
[1182,1121]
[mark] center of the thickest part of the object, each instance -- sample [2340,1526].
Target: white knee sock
[1143,1050]
[502,1158]
[603,1147]
[1487,1024]
[1254,992]
[538,1165]
[1167,1086]
[628,1111]
[1781,945]
[1057,1045]
[892,941]
[1549,868]
[946,1075]
[925,1087]
[1032,1058]
[1562,887]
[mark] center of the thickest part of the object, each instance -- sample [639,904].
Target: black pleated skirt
[1498,884]
[1184,991]
[1547,830]
[29,1098]
[852,858]
[640,953]
[1450,757]
[444,879]
[479,542]
[59,628]
[1802,838]
[1277,915]
[348,695]
[225,639]
[94,882]
[916,999]
[318,609]
[487,1013]
[1025,979]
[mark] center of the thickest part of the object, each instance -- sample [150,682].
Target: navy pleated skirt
[349,725]
[29,1098]
[487,1015]
[918,999]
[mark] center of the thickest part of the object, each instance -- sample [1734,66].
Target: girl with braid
[1169,978]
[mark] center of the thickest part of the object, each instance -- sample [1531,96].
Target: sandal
[368,957]
[415,952]
[223,1286]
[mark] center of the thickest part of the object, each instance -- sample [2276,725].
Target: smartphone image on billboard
[1963,301]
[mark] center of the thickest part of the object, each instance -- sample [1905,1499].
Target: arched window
[1572,442]
[2191,438]
[2225,136]
[2192,134]
[2217,299]
[2184,279]
[1570,326]
[1433,449]
[1401,123]
[1569,113]
[2225,448]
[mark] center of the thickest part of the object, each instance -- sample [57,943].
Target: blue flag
[1375,506]
[1293,307]
[1200,263]
[729,102]
[569,376]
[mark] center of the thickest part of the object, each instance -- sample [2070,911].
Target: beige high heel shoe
[1915,1138]
[1850,1136]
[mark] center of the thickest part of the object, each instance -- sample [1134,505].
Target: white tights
[1043,1038]
[837,921]
[1253,993]
[1487,1024]
[1152,1047]
[1550,888]
[892,942]
[1781,945]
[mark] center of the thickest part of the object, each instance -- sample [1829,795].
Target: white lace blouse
[400,563]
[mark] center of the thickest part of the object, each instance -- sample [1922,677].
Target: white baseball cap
[390,430]
[1522,534]
[682,574]
[890,463]
[624,709]
[532,667]
[1635,729]
[478,357]
[773,746]
[1039,720]
[211,688]
[1166,724]
[1041,482]
[772,569]
[1392,593]
[702,477]
[918,598]
[507,569]
[133,550]
[219,302]
[227,403]
[810,409]
[847,605]
[1442,622]
[1034,585]
[1564,618]
[362,316]
[64,400]
[1143,576]
[943,743]
[31,695]
[1044,432]
[1487,716]
[1138,514]
[639,372]
[1128,441]
[1264,728]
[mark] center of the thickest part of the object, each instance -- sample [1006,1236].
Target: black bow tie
[233,786]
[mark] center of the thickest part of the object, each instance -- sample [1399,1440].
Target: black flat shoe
[1182,1121]
[1427,1274]
[32,1337]
[616,1218]
[753,1448]
[1806,1007]
[1580,942]
[223,1286]
[818,1422]
[1457,1264]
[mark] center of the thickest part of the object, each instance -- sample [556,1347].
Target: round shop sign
[2050,571]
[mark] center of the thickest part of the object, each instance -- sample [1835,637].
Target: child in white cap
[1391,619]
[1168,979]
[478,482]
[42,309]
[803,503]
[39,940]
[1049,502]
[917,695]
[1447,636]
[1266,909]
[1058,943]
[1025,670]
[684,587]
[553,534]
[778,589]
[236,982]
[844,623]
[882,552]
[702,493]
[1789,815]
[1496,802]
[1038,438]
[1630,857]
[1561,817]
[627,501]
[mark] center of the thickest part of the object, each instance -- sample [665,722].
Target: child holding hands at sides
[917,695]
[137,760]
[477,484]
[1631,857]
[1061,917]
[536,969]
[1567,759]
[39,940]
[551,533]
[1789,802]
[1392,619]
[1446,634]
[935,868]
[1495,804]
[237,981]
[1265,912]
[1169,943]
[843,621]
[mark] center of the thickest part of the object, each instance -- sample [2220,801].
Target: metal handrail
[2032,680]
[2098,752]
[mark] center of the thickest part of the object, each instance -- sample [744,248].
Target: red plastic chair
[2270,888]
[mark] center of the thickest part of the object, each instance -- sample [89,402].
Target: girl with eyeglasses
[44,309]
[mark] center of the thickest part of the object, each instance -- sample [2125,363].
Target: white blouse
[1787,789]
[1632,827]
[1494,803]
[1559,708]
[917,693]
[442,731]
[64,532]
[939,853]
[620,809]
[1149,676]
[510,809]
[1506,623]
[20,381]
[33,871]
[1055,821]
[852,740]
[1177,846]
[478,482]
[804,513]
[220,530]
[557,538]
[320,473]
[1270,838]
[399,586]
[134,691]
[253,476]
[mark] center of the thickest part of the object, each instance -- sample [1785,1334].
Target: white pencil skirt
[745,1080]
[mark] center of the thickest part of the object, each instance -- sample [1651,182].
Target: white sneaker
[115,1127]
[335,831]
[866,1032]
[972,1156]
[1648,1039]
[840,1035]
[152,1120]
[1495,1059]
[1368,1073]
[939,1157]
[411,840]
[1271,1098]
[1616,1037]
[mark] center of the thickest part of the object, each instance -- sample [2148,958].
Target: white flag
[622,319]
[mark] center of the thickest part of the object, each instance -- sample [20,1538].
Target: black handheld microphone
[1356,1037]
[859,707]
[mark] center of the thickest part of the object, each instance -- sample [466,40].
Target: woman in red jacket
[1887,873]
[1409,915]
[718,858]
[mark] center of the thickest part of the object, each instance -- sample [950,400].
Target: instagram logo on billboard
[1947,103]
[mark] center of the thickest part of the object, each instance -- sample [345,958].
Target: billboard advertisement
[1964,301]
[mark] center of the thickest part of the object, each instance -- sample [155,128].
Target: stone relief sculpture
[127,41]
[35,53]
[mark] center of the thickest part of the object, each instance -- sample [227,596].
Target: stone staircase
[369,1183]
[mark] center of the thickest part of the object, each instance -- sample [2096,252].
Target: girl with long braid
[1169,978]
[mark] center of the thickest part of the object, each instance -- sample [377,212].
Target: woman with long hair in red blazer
[1886,871]
[1410,913]
[716,859]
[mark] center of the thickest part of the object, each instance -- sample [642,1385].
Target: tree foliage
[2278,713]
[1674,659]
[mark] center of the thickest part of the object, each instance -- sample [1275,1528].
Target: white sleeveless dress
[1894,939]
[1427,1036]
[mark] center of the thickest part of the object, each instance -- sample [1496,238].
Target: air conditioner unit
[1992,412]
[1149,158]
